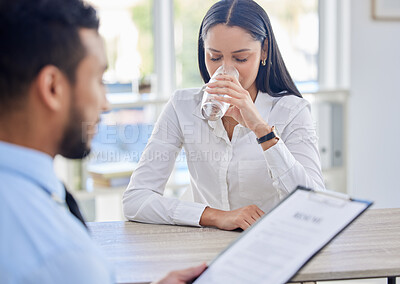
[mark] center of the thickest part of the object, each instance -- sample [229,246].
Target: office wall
[374,108]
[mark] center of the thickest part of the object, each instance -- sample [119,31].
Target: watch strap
[267,137]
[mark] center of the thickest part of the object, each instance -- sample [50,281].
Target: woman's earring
[264,62]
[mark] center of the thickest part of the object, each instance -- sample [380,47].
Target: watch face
[275,132]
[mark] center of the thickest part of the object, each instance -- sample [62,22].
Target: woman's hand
[230,220]
[182,276]
[242,108]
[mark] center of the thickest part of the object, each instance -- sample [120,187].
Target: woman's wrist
[262,129]
[209,217]
[268,144]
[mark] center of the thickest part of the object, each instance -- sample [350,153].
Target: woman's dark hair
[273,78]
[36,33]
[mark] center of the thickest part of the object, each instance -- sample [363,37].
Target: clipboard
[280,243]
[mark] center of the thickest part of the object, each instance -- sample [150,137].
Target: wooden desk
[141,253]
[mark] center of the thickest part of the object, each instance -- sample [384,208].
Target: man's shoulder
[36,232]
[61,265]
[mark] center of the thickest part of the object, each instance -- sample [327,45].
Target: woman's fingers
[251,215]
[225,91]
[260,212]
[228,82]
[230,220]
[232,101]
[244,225]
[230,78]
[253,219]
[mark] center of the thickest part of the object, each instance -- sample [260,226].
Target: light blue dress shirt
[40,240]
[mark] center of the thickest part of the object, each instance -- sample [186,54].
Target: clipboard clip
[335,199]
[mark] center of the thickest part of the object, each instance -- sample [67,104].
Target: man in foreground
[52,60]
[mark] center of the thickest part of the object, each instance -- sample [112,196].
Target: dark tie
[73,206]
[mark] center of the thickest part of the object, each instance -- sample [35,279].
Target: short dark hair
[273,78]
[37,33]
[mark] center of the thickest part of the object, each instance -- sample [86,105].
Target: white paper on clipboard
[281,242]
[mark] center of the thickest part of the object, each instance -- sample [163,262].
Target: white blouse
[224,174]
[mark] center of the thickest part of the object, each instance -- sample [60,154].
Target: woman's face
[234,46]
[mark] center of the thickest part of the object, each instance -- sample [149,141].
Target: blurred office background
[343,55]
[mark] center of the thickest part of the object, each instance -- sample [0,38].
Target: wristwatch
[273,134]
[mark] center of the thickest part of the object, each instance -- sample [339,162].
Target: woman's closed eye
[237,59]
[241,59]
[215,59]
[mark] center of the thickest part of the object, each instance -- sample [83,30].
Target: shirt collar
[31,164]
[216,126]
[197,110]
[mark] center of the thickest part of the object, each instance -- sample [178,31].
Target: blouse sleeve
[143,199]
[295,159]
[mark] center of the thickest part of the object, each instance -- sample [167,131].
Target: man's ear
[52,87]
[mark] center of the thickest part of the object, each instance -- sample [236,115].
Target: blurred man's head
[52,60]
